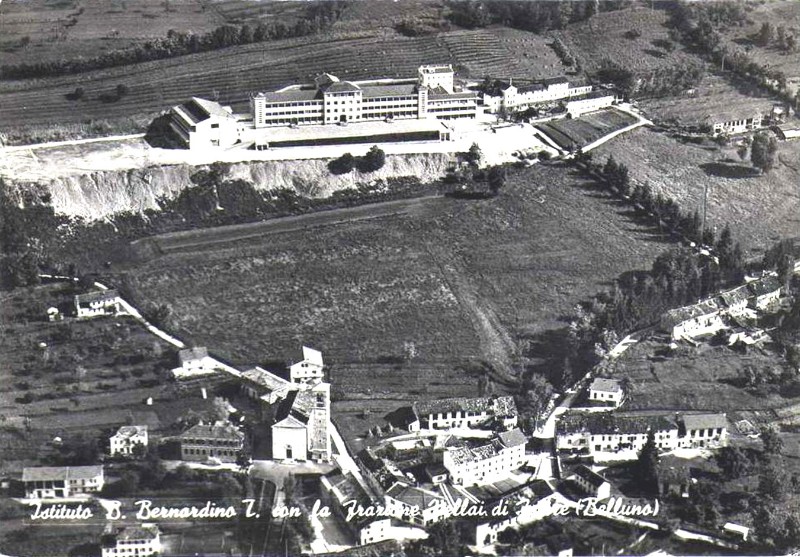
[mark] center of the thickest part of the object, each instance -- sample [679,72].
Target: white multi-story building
[416,505]
[731,123]
[133,541]
[310,368]
[200,123]
[591,482]
[194,361]
[127,438]
[608,432]
[55,482]
[486,463]
[596,100]
[92,304]
[704,430]
[513,98]
[331,101]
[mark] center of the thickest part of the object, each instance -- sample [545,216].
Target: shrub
[373,160]
[343,165]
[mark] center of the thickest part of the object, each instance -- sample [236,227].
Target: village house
[55,482]
[703,430]
[788,131]
[592,483]
[464,412]
[436,473]
[611,433]
[729,123]
[488,462]
[607,391]
[735,300]
[766,292]
[415,505]
[340,489]
[513,98]
[221,441]
[194,361]
[704,317]
[132,541]
[200,123]
[309,368]
[93,304]
[127,438]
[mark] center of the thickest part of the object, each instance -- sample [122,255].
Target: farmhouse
[133,541]
[486,463]
[591,482]
[512,98]
[704,430]
[690,321]
[309,368]
[607,391]
[92,304]
[765,292]
[734,122]
[786,132]
[330,101]
[526,502]
[463,412]
[340,490]
[127,438]
[204,441]
[200,123]
[194,361]
[735,301]
[415,505]
[613,433]
[49,482]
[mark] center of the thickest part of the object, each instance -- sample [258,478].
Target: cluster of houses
[710,315]
[611,432]
[504,96]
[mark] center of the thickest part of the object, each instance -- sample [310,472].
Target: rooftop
[96,296]
[128,431]
[589,475]
[606,385]
[738,295]
[436,68]
[413,496]
[499,406]
[312,356]
[55,473]
[704,421]
[342,87]
[512,438]
[264,378]
[356,129]
[609,423]
[215,431]
[680,315]
[764,285]
[189,354]
[143,532]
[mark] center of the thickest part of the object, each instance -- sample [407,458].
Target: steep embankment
[97,195]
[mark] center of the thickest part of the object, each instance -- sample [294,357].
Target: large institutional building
[331,101]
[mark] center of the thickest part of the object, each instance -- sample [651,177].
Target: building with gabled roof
[703,430]
[220,440]
[194,361]
[696,319]
[607,391]
[200,123]
[132,541]
[487,462]
[765,291]
[505,95]
[98,302]
[735,300]
[309,369]
[466,412]
[127,438]
[591,482]
[612,432]
[415,505]
[56,482]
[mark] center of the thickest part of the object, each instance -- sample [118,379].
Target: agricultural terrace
[760,209]
[76,378]
[414,297]
[636,39]
[231,74]
[41,30]
[571,133]
[713,97]
[704,378]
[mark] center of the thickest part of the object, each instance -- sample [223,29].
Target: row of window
[210,452]
[211,442]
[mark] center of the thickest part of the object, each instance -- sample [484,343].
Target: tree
[373,160]
[289,485]
[497,179]
[772,442]
[733,462]
[773,483]
[343,165]
[647,463]
[220,409]
[765,34]
[762,151]
[474,155]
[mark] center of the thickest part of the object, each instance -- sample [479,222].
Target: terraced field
[571,133]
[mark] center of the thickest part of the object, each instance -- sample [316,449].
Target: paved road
[110,138]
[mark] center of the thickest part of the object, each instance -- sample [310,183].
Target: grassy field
[760,209]
[571,133]
[604,37]
[398,303]
[88,377]
[698,380]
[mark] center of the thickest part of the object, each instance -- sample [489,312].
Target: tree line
[319,16]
